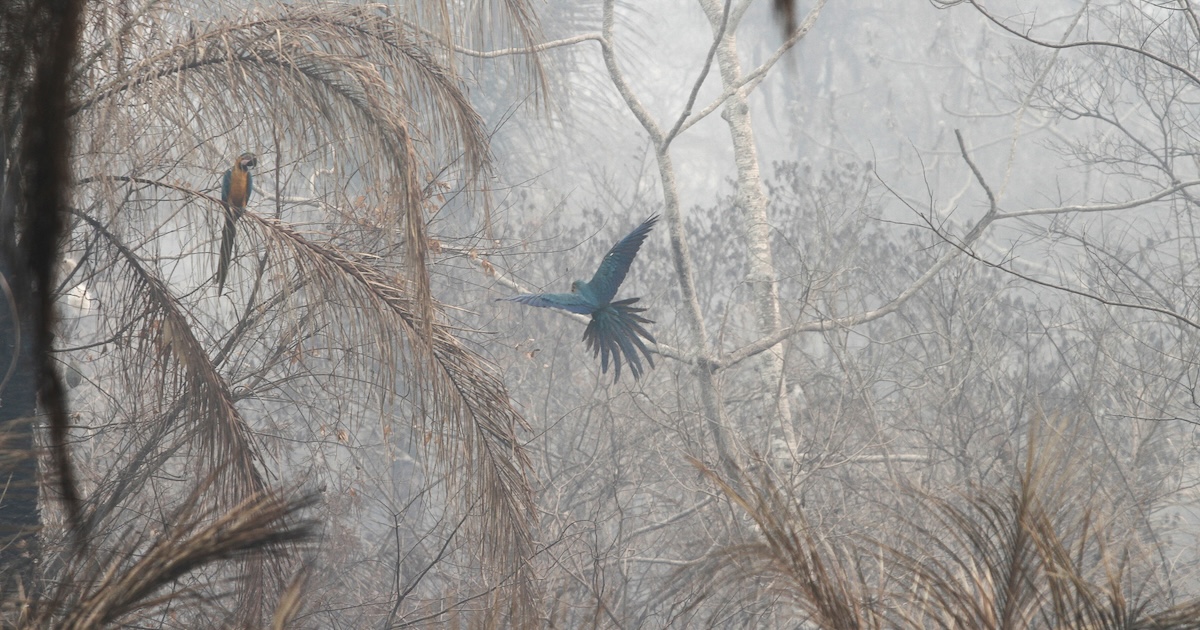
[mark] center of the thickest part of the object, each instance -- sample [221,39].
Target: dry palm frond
[787,561]
[129,584]
[387,98]
[477,423]
[375,101]
[350,71]
[1031,556]
[978,569]
[167,336]
[291,603]
[479,434]
[163,357]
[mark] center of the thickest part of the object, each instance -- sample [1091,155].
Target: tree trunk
[752,202]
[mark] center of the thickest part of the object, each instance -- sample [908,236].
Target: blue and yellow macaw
[616,328]
[236,186]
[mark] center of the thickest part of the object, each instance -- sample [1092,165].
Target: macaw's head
[247,160]
[576,285]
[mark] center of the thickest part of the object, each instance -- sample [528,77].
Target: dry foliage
[182,395]
[1039,554]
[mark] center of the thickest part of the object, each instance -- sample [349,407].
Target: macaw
[615,326]
[236,186]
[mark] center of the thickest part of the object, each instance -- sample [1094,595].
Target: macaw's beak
[248,160]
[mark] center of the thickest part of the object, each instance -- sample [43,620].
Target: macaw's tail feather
[227,237]
[617,329]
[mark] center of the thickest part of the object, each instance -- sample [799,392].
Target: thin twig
[529,50]
[756,75]
[712,52]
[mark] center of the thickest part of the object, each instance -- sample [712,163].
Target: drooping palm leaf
[359,92]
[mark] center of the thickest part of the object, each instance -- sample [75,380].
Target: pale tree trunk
[753,204]
[751,201]
[703,353]
[706,376]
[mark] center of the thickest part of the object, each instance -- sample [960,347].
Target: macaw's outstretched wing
[573,302]
[617,329]
[611,273]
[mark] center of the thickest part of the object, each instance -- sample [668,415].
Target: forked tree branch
[962,246]
[1193,77]
[1183,319]
[620,82]
[768,342]
[752,78]
[691,101]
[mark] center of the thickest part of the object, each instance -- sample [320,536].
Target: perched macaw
[615,326]
[236,186]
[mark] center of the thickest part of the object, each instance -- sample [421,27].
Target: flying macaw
[615,326]
[236,186]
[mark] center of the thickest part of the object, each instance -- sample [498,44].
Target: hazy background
[899,382]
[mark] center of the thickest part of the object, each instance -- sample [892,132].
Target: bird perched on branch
[616,328]
[236,186]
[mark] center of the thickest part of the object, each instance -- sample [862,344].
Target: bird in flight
[236,186]
[616,328]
